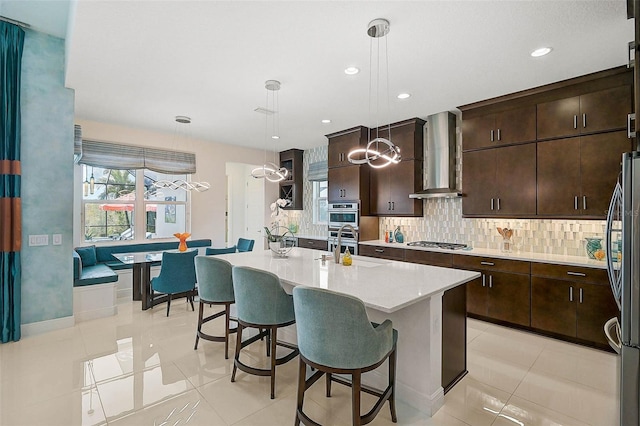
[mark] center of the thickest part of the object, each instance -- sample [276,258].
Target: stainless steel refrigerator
[623,257]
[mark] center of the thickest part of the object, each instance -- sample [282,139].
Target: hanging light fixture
[379,152]
[92,183]
[269,170]
[85,184]
[179,183]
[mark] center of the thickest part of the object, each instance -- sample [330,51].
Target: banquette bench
[96,265]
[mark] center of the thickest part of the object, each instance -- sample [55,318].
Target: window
[320,192]
[111,205]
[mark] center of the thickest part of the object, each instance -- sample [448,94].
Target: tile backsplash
[442,221]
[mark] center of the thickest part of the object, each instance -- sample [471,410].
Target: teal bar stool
[177,277]
[215,287]
[262,303]
[336,337]
[214,251]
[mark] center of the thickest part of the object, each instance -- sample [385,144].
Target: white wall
[208,207]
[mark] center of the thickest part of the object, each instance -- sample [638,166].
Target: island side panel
[419,360]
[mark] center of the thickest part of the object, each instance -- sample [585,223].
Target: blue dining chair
[215,287]
[261,303]
[177,276]
[213,251]
[336,337]
[245,245]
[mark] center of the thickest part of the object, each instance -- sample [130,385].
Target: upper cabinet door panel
[477,132]
[516,125]
[341,145]
[516,179]
[559,177]
[558,118]
[408,136]
[605,110]
[600,158]
[478,177]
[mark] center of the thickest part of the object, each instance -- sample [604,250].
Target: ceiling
[140,63]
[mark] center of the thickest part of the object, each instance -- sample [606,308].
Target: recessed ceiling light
[275,137]
[541,52]
[404,95]
[326,121]
[351,70]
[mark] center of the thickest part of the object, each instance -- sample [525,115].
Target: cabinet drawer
[491,264]
[570,273]
[428,258]
[313,244]
[390,253]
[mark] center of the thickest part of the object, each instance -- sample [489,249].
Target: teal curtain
[11,46]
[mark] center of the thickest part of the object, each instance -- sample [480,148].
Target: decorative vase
[281,240]
[183,240]
[592,246]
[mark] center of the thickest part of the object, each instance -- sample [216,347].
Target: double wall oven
[346,213]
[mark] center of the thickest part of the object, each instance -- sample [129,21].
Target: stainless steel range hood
[440,157]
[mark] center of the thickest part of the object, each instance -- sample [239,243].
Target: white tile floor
[139,368]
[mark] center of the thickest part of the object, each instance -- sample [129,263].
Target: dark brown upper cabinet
[408,135]
[500,182]
[291,187]
[341,143]
[593,112]
[391,186]
[576,176]
[501,128]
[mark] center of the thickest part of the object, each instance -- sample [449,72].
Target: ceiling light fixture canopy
[379,152]
[179,183]
[269,170]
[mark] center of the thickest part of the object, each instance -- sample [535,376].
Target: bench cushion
[96,274]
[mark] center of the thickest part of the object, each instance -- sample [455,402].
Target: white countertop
[384,285]
[526,256]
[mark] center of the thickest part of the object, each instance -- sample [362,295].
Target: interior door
[254,210]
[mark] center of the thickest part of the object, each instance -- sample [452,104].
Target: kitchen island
[410,295]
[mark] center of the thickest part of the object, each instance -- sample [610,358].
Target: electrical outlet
[39,240]
[57,239]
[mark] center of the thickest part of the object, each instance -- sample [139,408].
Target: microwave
[343,214]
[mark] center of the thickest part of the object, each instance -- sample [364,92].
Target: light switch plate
[39,240]
[57,239]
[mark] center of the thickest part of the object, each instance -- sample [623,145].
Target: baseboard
[40,327]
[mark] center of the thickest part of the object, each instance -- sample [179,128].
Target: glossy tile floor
[139,368]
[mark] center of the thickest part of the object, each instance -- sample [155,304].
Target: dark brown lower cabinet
[577,310]
[500,295]
[313,244]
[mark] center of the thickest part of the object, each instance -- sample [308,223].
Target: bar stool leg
[355,397]
[392,383]
[274,333]
[200,313]
[238,348]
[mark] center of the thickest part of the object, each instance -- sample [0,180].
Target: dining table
[141,263]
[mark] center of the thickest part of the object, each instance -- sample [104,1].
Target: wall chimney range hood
[440,157]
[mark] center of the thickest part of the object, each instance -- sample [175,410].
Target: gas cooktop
[436,244]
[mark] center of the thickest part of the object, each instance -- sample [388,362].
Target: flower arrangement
[278,214]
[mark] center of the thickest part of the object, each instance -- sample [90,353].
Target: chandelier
[379,152]
[269,170]
[179,183]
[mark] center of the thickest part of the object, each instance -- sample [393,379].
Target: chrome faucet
[336,252]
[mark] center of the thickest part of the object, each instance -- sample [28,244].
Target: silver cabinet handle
[492,136]
[584,202]
[483,281]
[490,281]
[487,263]
[498,134]
[393,205]
[575,202]
[584,121]
[498,203]
[580,295]
[571,294]
[575,121]
[630,118]
[492,204]
[310,243]
[576,274]
[379,250]
[388,205]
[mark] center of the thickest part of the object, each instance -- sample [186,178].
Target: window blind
[119,156]
[77,142]
[318,171]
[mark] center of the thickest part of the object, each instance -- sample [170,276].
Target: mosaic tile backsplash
[443,221]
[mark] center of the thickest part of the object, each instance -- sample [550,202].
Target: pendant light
[380,151]
[92,183]
[179,183]
[85,184]
[269,170]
